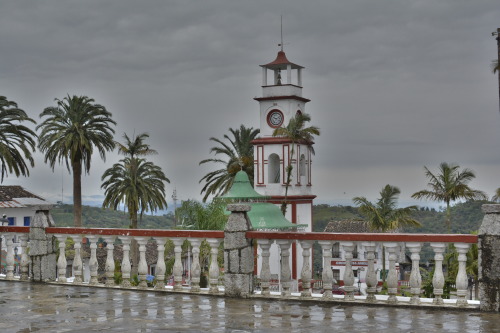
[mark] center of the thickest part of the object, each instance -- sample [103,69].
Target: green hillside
[466,217]
[95,217]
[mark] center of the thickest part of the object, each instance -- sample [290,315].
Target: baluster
[195,265]
[392,277]
[348,273]
[177,269]
[61,261]
[160,263]
[415,277]
[24,257]
[213,272]
[306,273]
[371,275]
[286,273]
[327,275]
[462,282]
[142,269]
[77,260]
[110,261]
[93,265]
[438,278]
[9,260]
[126,266]
[265,270]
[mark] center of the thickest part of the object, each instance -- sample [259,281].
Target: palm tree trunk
[134,246]
[289,169]
[448,216]
[77,192]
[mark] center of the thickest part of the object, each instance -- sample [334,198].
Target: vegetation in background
[71,132]
[449,185]
[385,215]
[234,156]
[16,141]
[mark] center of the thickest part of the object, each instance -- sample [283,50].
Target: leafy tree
[496,196]
[71,132]
[384,214]
[450,184]
[16,141]
[296,132]
[198,216]
[238,155]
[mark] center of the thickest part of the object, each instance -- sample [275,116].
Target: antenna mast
[174,197]
[281,33]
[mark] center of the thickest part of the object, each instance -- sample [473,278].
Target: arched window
[302,166]
[273,169]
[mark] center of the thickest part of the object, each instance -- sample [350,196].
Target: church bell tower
[281,100]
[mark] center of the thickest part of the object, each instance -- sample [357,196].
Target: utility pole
[174,197]
[497,34]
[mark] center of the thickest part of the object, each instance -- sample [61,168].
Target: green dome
[242,189]
[263,215]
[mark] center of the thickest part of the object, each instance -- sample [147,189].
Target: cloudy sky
[395,85]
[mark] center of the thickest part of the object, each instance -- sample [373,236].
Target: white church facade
[281,100]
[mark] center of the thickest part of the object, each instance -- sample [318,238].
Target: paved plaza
[31,307]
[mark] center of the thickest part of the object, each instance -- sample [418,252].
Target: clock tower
[281,100]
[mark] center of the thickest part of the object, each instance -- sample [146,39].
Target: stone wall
[42,247]
[489,259]
[238,253]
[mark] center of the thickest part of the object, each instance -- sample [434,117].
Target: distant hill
[95,217]
[466,217]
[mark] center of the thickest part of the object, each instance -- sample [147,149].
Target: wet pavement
[30,307]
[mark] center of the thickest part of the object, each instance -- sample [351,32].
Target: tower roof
[281,62]
[263,215]
[242,189]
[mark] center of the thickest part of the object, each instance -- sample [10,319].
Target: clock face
[275,118]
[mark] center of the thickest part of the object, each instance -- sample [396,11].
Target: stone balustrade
[391,243]
[266,241]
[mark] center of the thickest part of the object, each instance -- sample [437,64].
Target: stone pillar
[265,270]
[489,259]
[371,275]
[42,247]
[61,260]
[238,253]
[195,265]
[93,265]
[77,261]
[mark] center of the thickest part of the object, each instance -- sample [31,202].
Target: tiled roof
[352,226]
[14,196]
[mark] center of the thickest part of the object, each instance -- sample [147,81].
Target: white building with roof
[18,206]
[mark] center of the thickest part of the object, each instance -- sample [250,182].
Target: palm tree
[238,155]
[450,184]
[297,133]
[495,66]
[136,146]
[496,196]
[384,214]
[16,141]
[137,183]
[72,131]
